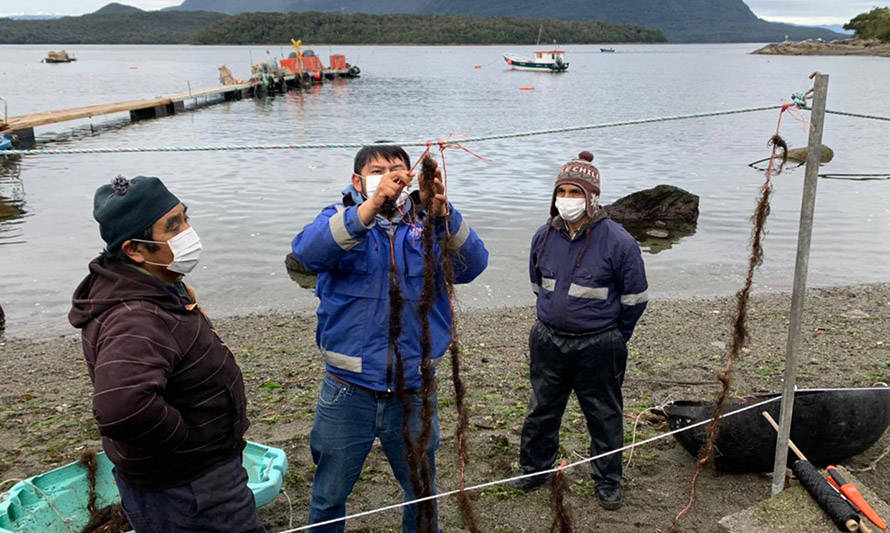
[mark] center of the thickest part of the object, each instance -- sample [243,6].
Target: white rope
[570,465]
[290,509]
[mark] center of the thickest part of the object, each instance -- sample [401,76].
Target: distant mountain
[117,9]
[234,7]
[839,28]
[681,20]
[130,27]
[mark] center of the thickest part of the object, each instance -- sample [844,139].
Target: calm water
[248,206]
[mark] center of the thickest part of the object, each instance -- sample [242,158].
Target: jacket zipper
[391,347]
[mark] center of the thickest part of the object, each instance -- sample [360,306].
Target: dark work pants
[217,502]
[592,366]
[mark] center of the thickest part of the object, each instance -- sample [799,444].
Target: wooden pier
[23,125]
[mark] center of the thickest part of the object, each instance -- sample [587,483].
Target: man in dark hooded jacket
[590,282]
[168,395]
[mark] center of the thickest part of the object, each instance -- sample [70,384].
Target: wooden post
[804,236]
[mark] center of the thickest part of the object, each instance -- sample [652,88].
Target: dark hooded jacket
[168,395]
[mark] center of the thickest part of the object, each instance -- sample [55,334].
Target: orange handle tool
[850,491]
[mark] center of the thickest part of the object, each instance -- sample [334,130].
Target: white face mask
[571,209]
[372,181]
[186,248]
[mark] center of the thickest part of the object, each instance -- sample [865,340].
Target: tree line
[197,27]
[336,28]
[147,27]
[874,24]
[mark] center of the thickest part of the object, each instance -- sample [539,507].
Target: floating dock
[22,126]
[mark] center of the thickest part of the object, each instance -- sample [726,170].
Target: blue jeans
[347,420]
[217,502]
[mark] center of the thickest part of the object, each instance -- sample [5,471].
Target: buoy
[509,61]
[526,88]
[478,66]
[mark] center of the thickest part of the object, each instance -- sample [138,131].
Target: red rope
[772,159]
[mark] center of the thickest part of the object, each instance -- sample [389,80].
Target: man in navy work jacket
[350,246]
[588,274]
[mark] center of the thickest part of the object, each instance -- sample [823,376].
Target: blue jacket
[352,262]
[591,282]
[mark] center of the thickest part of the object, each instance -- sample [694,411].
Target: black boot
[528,484]
[610,496]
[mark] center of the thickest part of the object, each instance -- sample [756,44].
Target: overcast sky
[796,11]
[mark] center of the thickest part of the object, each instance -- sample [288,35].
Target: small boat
[58,57]
[828,426]
[31,505]
[544,61]
[607,50]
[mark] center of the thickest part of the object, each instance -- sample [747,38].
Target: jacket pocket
[355,275]
[356,261]
[589,287]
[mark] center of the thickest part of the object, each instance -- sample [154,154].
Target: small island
[816,47]
[872,38]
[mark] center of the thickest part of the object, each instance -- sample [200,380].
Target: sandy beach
[46,419]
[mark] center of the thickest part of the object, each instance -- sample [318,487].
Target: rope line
[856,176]
[324,146]
[856,115]
[570,465]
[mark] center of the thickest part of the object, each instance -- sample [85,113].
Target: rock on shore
[844,47]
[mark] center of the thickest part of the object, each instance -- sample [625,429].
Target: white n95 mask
[186,248]
[571,209]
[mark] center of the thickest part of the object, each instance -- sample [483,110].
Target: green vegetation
[138,27]
[680,20]
[872,25]
[337,28]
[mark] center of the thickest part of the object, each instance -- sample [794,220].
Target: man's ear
[131,250]
[357,183]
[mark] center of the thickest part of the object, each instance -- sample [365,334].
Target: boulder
[799,155]
[664,203]
[657,218]
[299,273]
[10,208]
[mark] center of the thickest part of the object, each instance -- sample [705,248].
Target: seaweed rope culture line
[576,463]
[418,460]
[465,505]
[740,335]
[322,146]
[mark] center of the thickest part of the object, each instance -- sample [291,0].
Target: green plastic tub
[26,506]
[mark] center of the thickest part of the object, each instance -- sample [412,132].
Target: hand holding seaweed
[437,205]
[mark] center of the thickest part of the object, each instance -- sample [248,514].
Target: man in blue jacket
[588,274]
[350,245]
